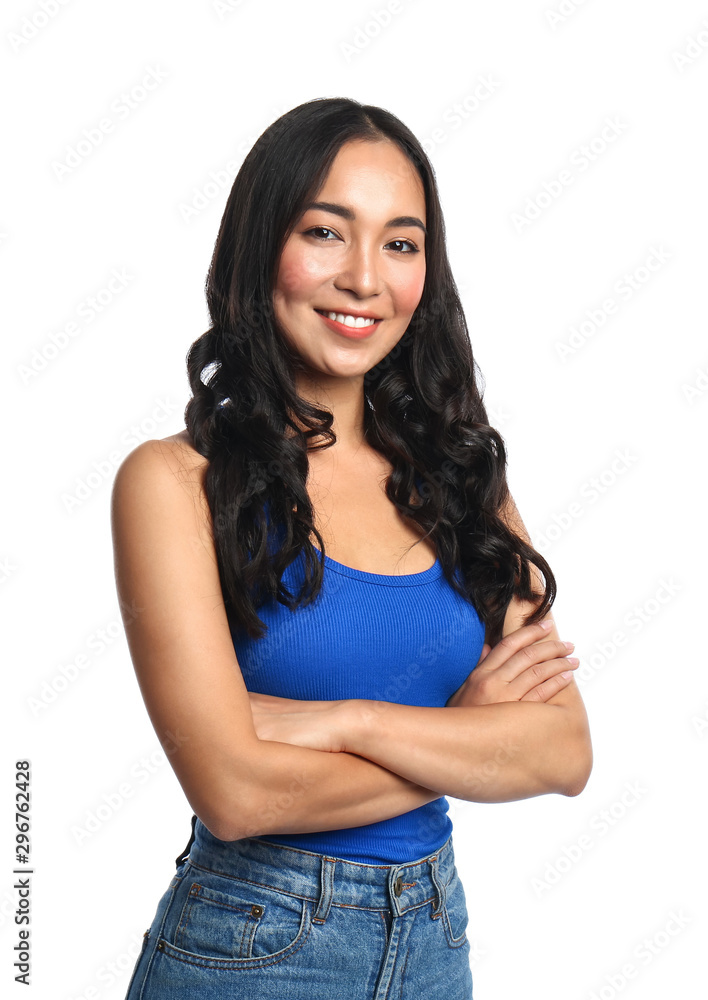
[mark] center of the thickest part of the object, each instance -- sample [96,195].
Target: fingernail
[569,645]
[573,659]
[548,623]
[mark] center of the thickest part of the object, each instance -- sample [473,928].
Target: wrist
[355,717]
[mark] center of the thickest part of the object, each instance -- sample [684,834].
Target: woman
[334,611]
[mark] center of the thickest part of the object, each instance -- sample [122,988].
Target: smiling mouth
[347,319]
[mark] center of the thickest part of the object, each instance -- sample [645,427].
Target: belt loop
[326,890]
[437,882]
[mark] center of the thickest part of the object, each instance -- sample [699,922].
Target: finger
[529,665]
[517,640]
[539,671]
[486,650]
[545,691]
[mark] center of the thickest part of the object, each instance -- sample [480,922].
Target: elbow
[218,829]
[240,797]
[235,818]
[218,825]
[228,828]
[243,818]
[580,773]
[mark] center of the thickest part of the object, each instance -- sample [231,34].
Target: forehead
[371,173]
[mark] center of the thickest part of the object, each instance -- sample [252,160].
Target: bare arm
[331,791]
[492,752]
[182,651]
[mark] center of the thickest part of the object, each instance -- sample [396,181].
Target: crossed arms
[250,765]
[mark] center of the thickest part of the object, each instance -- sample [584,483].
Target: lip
[355,333]
[350,312]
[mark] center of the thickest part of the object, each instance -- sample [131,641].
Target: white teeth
[350,320]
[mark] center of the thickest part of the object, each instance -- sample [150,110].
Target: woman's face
[358,251]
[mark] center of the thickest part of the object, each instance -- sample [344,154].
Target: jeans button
[398,886]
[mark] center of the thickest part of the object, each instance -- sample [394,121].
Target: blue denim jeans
[257,920]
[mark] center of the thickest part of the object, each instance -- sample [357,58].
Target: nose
[360,273]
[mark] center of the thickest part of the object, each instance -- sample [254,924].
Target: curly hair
[425,415]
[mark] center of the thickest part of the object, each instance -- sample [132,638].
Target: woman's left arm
[487,753]
[496,752]
[484,753]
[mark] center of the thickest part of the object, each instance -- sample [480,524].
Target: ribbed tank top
[408,639]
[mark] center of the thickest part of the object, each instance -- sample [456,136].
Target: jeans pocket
[455,917]
[240,922]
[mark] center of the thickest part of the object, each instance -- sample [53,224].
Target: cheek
[297,274]
[409,290]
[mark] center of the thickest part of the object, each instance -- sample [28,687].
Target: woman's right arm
[182,651]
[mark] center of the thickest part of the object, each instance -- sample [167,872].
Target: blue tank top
[408,639]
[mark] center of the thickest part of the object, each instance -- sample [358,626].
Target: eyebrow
[346,213]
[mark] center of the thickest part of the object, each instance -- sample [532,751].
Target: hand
[519,668]
[316,725]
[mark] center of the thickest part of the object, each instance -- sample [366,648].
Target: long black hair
[425,412]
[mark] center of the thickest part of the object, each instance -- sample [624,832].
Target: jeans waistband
[324,879]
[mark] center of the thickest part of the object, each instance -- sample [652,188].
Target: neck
[345,400]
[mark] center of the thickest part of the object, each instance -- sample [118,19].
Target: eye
[320,229]
[412,248]
[409,244]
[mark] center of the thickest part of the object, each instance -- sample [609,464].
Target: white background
[563,903]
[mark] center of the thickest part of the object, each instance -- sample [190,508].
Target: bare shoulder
[179,449]
[158,465]
[183,440]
